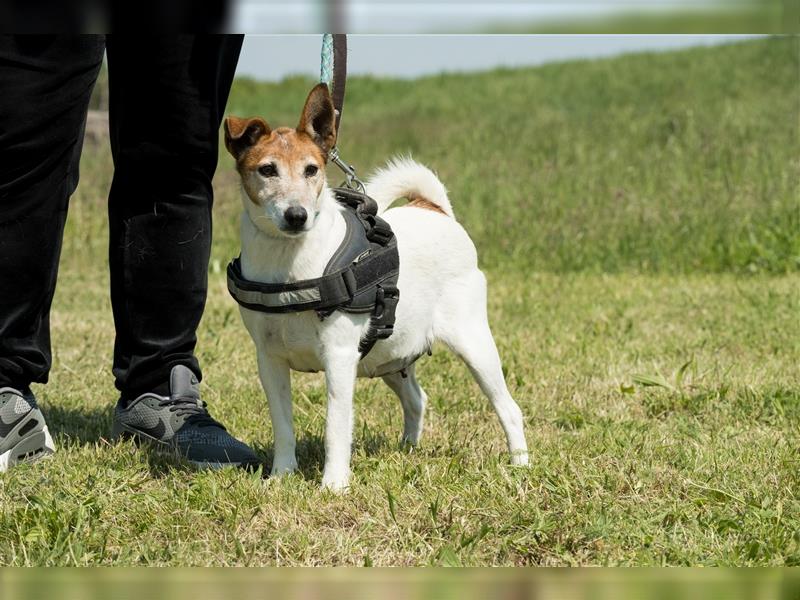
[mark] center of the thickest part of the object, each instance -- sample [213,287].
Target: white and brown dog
[292,225]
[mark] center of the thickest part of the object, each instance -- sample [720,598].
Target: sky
[273,57]
[409,16]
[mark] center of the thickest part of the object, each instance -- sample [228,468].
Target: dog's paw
[336,483]
[283,468]
[335,488]
[519,458]
[410,438]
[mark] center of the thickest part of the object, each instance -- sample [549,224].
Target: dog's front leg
[340,378]
[276,380]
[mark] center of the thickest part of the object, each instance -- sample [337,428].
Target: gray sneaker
[24,436]
[181,422]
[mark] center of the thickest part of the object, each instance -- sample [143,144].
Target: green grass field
[638,220]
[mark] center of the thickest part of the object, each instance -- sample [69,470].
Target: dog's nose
[295,216]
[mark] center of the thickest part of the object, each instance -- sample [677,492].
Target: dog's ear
[240,133]
[319,119]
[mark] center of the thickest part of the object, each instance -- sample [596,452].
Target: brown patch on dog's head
[286,143]
[421,202]
[242,134]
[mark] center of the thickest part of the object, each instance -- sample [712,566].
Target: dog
[291,226]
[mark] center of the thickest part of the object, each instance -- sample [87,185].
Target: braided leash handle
[333,69]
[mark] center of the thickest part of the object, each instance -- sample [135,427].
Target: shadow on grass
[79,425]
[89,426]
[310,452]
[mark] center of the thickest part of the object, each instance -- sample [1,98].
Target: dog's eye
[311,170]
[268,170]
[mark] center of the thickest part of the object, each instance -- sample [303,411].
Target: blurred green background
[670,162]
[675,162]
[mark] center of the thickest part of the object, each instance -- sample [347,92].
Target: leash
[333,69]
[333,73]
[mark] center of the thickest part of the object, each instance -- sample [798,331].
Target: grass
[637,219]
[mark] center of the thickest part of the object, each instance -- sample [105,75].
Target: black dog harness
[361,277]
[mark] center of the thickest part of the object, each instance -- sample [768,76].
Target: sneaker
[24,437]
[181,422]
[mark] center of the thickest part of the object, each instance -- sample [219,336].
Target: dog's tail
[403,177]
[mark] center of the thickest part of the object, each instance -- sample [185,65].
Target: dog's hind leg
[413,399]
[465,329]
[276,380]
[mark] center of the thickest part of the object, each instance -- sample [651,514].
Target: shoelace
[194,409]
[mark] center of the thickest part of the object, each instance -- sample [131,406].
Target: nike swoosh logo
[156,432]
[5,428]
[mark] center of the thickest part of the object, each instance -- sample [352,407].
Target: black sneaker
[181,422]
[24,436]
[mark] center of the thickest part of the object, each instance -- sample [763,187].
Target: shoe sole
[124,432]
[33,447]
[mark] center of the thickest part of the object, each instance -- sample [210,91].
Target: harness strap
[323,292]
[350,289]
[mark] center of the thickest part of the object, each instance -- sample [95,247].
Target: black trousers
[167,97]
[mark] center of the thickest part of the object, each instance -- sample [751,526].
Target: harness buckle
[380,305]
[386,300]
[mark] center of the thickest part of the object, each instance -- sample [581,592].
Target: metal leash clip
[351,179]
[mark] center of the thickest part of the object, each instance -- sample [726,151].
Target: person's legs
[46,84]
[167,97]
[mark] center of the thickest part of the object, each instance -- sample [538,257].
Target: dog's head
[283,170]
